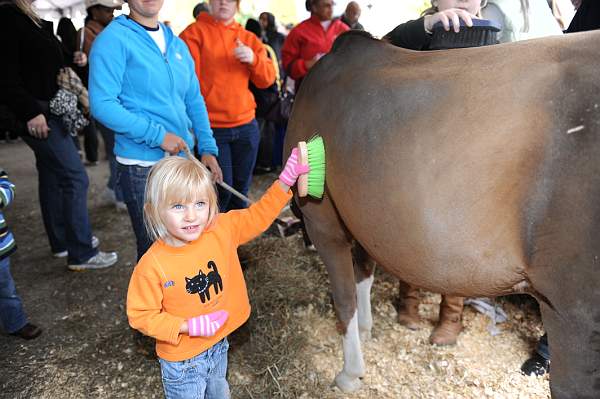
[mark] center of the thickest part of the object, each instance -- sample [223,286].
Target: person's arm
[7,190]
[108,63]
[410,35]
[249,223]
[262,71]
[145,312]
[293,63]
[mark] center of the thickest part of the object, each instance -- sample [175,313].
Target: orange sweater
[157,299]
[224,79]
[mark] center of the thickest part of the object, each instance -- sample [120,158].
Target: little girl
[188,290]
[416,35]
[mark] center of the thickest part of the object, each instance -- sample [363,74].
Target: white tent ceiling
[57,4]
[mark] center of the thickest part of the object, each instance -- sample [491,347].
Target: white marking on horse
[363,299]
[348,379]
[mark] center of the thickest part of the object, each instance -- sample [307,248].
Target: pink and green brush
[312,153]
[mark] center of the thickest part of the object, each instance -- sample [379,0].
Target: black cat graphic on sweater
[201,283]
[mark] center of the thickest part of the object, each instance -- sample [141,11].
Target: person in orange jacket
[227,58]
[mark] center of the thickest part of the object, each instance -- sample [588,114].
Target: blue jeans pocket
[172,372]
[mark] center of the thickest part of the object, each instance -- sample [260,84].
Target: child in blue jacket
[12,315]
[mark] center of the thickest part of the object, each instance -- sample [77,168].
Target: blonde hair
[176,180]
[433,9]
[26,8]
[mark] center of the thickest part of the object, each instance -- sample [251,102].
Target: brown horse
[472,172]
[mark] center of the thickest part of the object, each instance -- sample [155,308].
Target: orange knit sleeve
[246,224]
[144,305]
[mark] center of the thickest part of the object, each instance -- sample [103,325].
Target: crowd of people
[211,98]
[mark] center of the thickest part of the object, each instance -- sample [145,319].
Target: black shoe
[29,331]
[536,365]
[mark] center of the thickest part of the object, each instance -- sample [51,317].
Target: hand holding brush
[448,18]
[292,170]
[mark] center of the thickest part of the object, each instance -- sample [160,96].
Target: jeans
[90,142]
[280,129]
[542,347]
[201,377]
[109,142]
[12,314]
[63,184]
[132,181]
[238,147]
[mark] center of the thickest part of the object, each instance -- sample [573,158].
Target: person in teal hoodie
[143,86]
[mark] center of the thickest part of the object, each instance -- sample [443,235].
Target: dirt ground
[288,349]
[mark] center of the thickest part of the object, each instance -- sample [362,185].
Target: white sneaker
[101,260]
[64,254]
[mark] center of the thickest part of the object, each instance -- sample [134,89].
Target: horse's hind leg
[364,273]
[335,247]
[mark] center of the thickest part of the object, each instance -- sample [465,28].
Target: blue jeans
[109,142]
[63,184]
[11,309]
[201,377]
[278,144]
[238,147]
[132,181]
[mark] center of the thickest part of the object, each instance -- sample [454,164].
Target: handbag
[65,102]
[282,109]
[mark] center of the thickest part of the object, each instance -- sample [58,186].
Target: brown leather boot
[408,306]
[450,321]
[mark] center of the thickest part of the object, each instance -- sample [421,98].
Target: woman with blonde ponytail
[33,58]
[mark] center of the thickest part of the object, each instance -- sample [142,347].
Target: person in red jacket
[227,58]
[311,39]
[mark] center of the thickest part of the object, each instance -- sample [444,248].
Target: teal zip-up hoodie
[142,94]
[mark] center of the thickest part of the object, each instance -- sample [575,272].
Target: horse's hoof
[347,383]
[365,335]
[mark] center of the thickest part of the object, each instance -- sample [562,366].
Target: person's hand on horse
[80,59]
[445,16]
[292,170]
[243,53]
[173,144]
[210,161]
[38,127]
